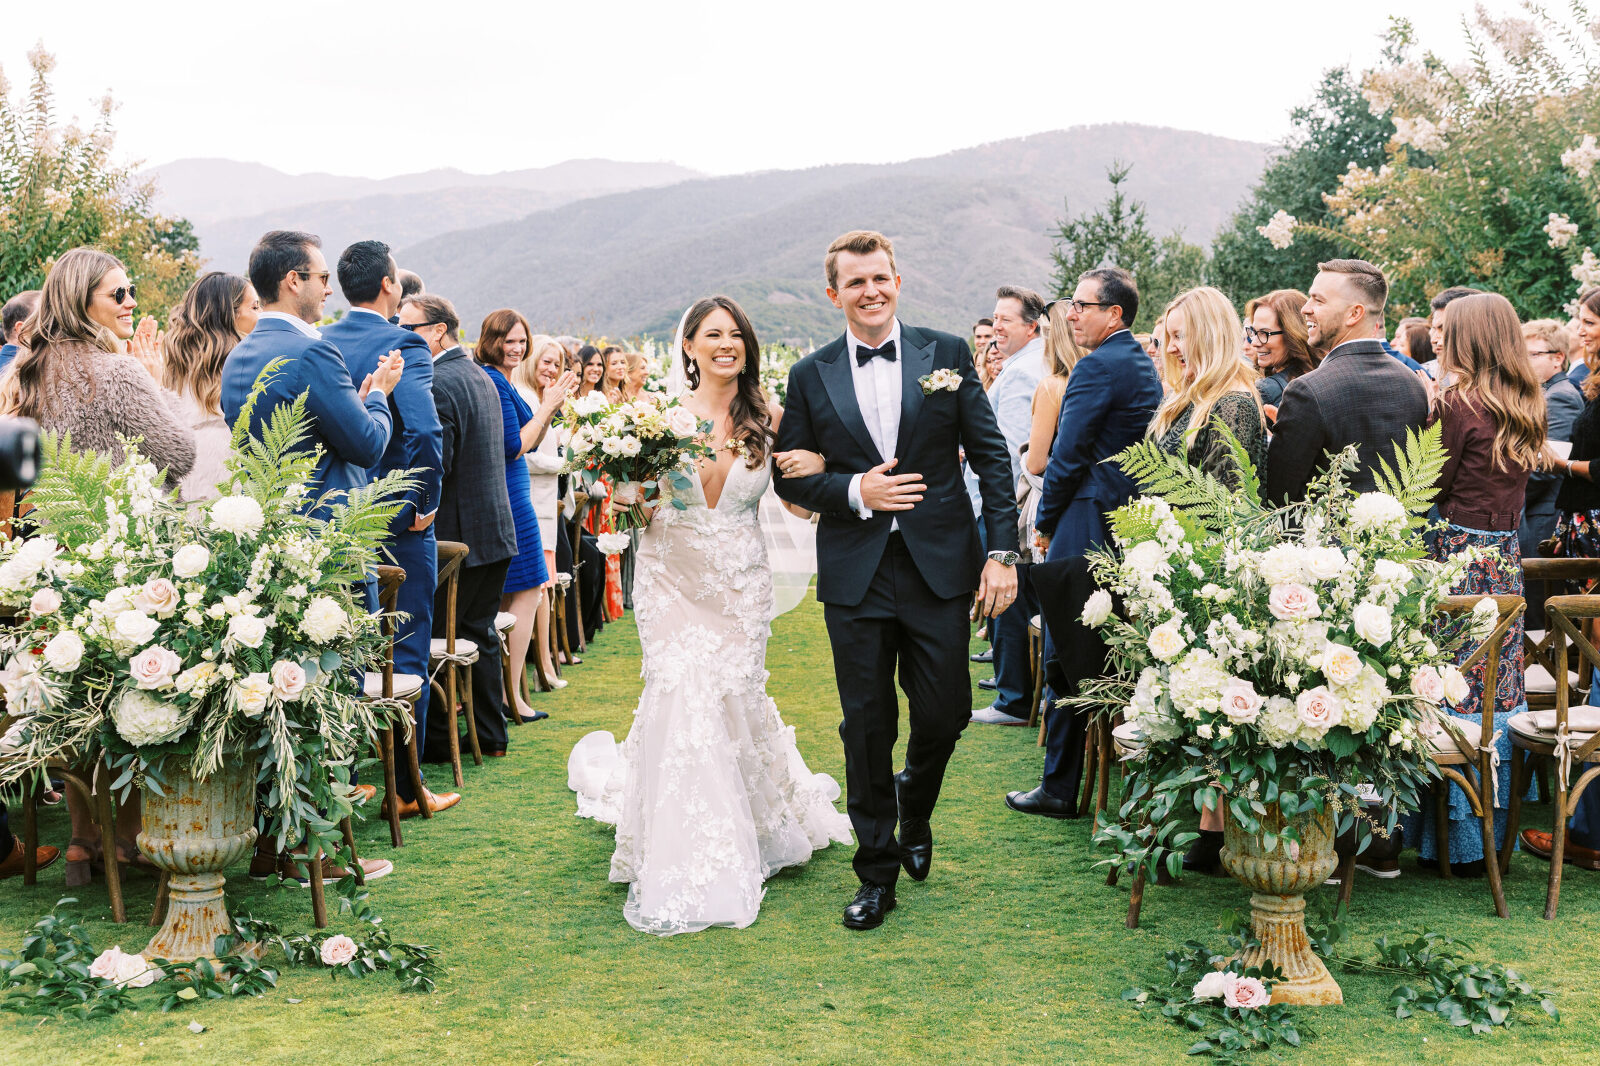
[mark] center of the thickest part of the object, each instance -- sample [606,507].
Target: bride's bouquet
[634,445]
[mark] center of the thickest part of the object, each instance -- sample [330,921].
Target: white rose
[1292,601]
[682,422]
[240,515]
[135,628]
[1097,609]
[1147,558]
[1240,701]
[613,543]
[197,678]
[158,597]
[1341,665]
[1325,564]
[1455,686]
[1211,986]
[288,680]
[630,446]
[1319,710]
[323,619]
[1377,512]
[155,667]
[1485,616]
[45,601]
[1282,564]
[1373,623]
[143,719]
[1166,642]
[611,445]
[247,630]
[1389,572]
[64,652]
[134,972]
[1426,683]
[337,950]
[252,693]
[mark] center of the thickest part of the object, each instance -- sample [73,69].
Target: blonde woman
[531,377]
[1061,354]
[636,372]
[1208,381]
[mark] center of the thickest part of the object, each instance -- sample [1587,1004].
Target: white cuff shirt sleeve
[861,509]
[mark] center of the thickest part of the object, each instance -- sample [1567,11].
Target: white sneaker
[990,716]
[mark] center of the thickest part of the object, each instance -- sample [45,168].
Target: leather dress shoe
[872,902]
[989,683]
[366,793]
[1039,801]
[13,864]
[915,838]
[1543,845]
[983,656]
[438,801]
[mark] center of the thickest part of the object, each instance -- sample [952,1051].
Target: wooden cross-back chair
[1541,668]
[452,657]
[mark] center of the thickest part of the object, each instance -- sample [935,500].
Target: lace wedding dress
[708,792]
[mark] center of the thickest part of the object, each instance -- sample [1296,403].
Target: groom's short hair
[856,242]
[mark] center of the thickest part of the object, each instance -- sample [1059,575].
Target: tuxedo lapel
[841,386]
[916,361]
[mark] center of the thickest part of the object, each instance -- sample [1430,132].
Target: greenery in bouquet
[160,636]
[776,362]
[642,447]
[1287,656]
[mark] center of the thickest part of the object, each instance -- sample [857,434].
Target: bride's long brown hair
[750,420]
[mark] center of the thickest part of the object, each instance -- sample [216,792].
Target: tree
[1335,131]
[1118,234]
[60,189]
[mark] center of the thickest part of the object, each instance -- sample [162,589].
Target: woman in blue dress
[502,344]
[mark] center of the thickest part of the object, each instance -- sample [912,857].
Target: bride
[708,793]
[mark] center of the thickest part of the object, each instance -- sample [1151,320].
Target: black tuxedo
[900,598]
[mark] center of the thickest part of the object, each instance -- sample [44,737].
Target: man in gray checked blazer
[1359,395]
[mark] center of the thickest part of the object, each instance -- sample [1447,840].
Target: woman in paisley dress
[708,793]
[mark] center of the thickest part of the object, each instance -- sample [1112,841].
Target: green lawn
[1013,952]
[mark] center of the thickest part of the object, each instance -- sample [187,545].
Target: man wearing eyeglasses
[1548,344]
[351,425]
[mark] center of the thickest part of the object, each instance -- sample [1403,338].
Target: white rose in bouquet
[134,628]
[252,692]
[1282,564]
[682,422]
[1455,686]
[1166,641]
[1147,559]
[158,597]
[247,630]
[1097,609]
[240,515]
[611,445]
[1485,616]
[1377,512]
[64,652]
[612,543]
[288,680]
[1292,602]
[155,667]
[143,719]
[1372,623]
[1325,563]
[1240,701]
[1427,685]
[1389,572]
[191,560]
[197,678]
[1341,665]
[630,446]
[44,602]
[1319,711]
[323,620]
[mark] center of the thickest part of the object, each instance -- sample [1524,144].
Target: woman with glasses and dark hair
[1277,332]
[214,315]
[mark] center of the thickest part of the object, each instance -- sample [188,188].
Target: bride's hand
[799,463]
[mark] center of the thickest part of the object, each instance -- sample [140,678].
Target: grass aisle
[1013,952]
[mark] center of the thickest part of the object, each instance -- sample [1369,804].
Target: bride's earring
[691,371]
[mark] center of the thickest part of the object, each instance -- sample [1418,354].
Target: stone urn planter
[194,832]
[1278,884]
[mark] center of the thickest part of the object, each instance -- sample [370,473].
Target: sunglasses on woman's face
[118,295]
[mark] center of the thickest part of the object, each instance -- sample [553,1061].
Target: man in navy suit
[352,425]
[1111,397]
[12,315]
[370,281]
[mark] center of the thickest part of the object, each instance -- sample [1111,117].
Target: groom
[898,554]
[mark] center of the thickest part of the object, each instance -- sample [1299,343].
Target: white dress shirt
[878,395]
[294,320]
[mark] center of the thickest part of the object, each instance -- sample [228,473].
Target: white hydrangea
[1278,722]
[1197,682]
[142,719]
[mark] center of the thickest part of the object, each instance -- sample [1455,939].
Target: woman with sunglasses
[1277,332]
[216,313]
[73,376]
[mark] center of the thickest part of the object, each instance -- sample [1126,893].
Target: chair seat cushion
[463,647]
[1535,635]
[1538,679]
[1128,737]
[1582,723]
[504,621]
[405,686]
[1442,743]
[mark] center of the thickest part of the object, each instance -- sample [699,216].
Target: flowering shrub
[1275,656]
[156,636]
[636,442]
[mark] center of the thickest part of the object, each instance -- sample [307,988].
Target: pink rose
[155,667]
[1240,701]
[1245,993]
[1426,683]
[105,964]
[338,950]
[288,680]
[1319,710]
[45,601]
[158,597]
[1291,601]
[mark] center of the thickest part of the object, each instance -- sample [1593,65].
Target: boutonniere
[940,381]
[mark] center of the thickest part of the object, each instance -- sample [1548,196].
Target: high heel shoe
[556,682]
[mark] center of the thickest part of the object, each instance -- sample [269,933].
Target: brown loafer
[11,865]
[367,793]
[438,801]
[1539,843]
[1543,845]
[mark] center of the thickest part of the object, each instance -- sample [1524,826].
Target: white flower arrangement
[941,380]
[646,441]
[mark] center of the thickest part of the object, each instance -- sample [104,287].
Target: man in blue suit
[12,315]
[352,425]
[1111,397]
[370,280]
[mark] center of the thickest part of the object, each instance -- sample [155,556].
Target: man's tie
[865,354]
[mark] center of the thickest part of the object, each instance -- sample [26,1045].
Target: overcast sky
[385,88]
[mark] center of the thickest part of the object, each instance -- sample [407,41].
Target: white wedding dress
[708,792]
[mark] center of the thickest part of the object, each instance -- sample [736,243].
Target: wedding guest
[350,425]
[533,378]
[365,337]
[982,334]
[1110,397]
[12,864]
[616,372]
[217,312]
[474,509]
[1358,395]
[1493,433]
[994,360]
[1381,336]
[1017,312]
[1411,338]
[1548,343]
[502,346]
[71,379]
[1277,332]
[12,315]
[593,366]
[1436,324]
[1061,354]
[410,284]
[637,373]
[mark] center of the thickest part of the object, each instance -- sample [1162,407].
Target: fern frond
[1249,479]
[1414,478]
[1187,489]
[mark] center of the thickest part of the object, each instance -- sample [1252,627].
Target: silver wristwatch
[1005,558]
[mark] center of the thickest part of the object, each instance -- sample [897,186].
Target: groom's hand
[883,491]
[997,588]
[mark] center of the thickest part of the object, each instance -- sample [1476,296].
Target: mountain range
[620,249]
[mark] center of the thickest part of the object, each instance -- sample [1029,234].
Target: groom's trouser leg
[934,636]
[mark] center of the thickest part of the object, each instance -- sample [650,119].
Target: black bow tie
[865,354]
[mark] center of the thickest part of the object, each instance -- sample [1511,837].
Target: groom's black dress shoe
[1040,802]
[915,838]
[872,902]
